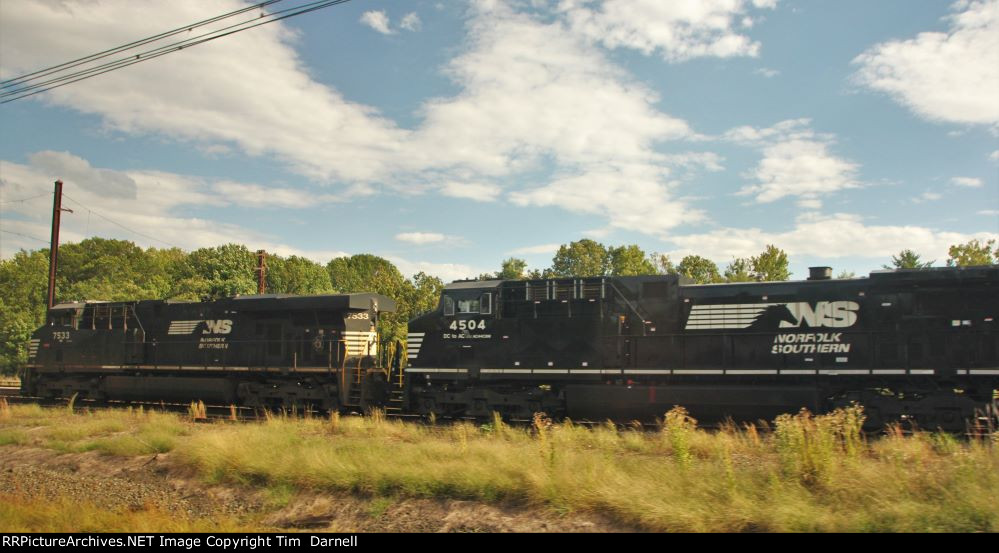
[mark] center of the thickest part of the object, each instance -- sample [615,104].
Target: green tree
[23,304]
[296,275]
[425,294]
[370,273]
[111,270]
[629,261]
[771,265]
[218,272]
[907,259]
[973,253]
[583,258]
[512,269]
[166,269]
[699,269]
[538,274]
[846,274]
[662,264]
[739,270]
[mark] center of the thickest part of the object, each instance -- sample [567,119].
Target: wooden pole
[54,247]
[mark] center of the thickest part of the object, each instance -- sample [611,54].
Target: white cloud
[991,212]
[535,93]
[630,197]
[796,162]
[994,156]
[378,21]
[478,191]
[254,195]
[928,197]
[539,249]
[249,91]
[534,97]
[784,130]
[678,30]
[445,271]
[149,207]
[799,168]
[825,236]
[970,182]
[156,209]
[411,22]
[101,182]
[952,76]
[420,237]
[768,73]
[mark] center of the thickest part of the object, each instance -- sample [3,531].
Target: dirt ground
[134,482]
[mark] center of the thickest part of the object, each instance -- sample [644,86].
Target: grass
[809,473]
[25,514]
[117,432]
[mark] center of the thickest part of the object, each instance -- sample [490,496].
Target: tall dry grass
[124,432]
[27,514]
[805,473]
[811,473]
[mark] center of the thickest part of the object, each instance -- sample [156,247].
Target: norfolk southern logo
[772,316]
[221,326]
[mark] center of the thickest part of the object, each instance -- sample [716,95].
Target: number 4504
[468,325]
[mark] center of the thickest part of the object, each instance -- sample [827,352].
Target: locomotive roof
[473,284]
[271,302]
[275,302]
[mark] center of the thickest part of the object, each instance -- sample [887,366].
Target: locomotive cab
[461,331]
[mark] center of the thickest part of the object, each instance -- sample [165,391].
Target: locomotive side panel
[255,350]
[911,344]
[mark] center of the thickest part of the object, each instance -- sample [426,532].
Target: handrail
[633,308]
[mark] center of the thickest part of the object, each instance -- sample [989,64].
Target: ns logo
[222,326]
[830,314]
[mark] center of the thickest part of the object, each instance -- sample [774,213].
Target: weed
[197,411]
[679,426]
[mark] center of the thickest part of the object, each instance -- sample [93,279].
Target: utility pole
[261,271]
[57,210]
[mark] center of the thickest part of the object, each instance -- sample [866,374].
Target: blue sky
[448,136]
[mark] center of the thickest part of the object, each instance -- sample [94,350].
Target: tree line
[590,258]
[119,270]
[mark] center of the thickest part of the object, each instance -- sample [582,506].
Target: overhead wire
[57,82]
[111,51]
[112,221]
[25,199]
[23,235]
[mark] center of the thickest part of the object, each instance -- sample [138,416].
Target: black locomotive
[906,344]
[265,351]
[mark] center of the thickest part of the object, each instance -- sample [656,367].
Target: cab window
[468,306]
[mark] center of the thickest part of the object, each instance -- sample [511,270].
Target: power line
[112,221]
[105,53]
[25,199]
[57,82]
[130,59]
[24,235]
